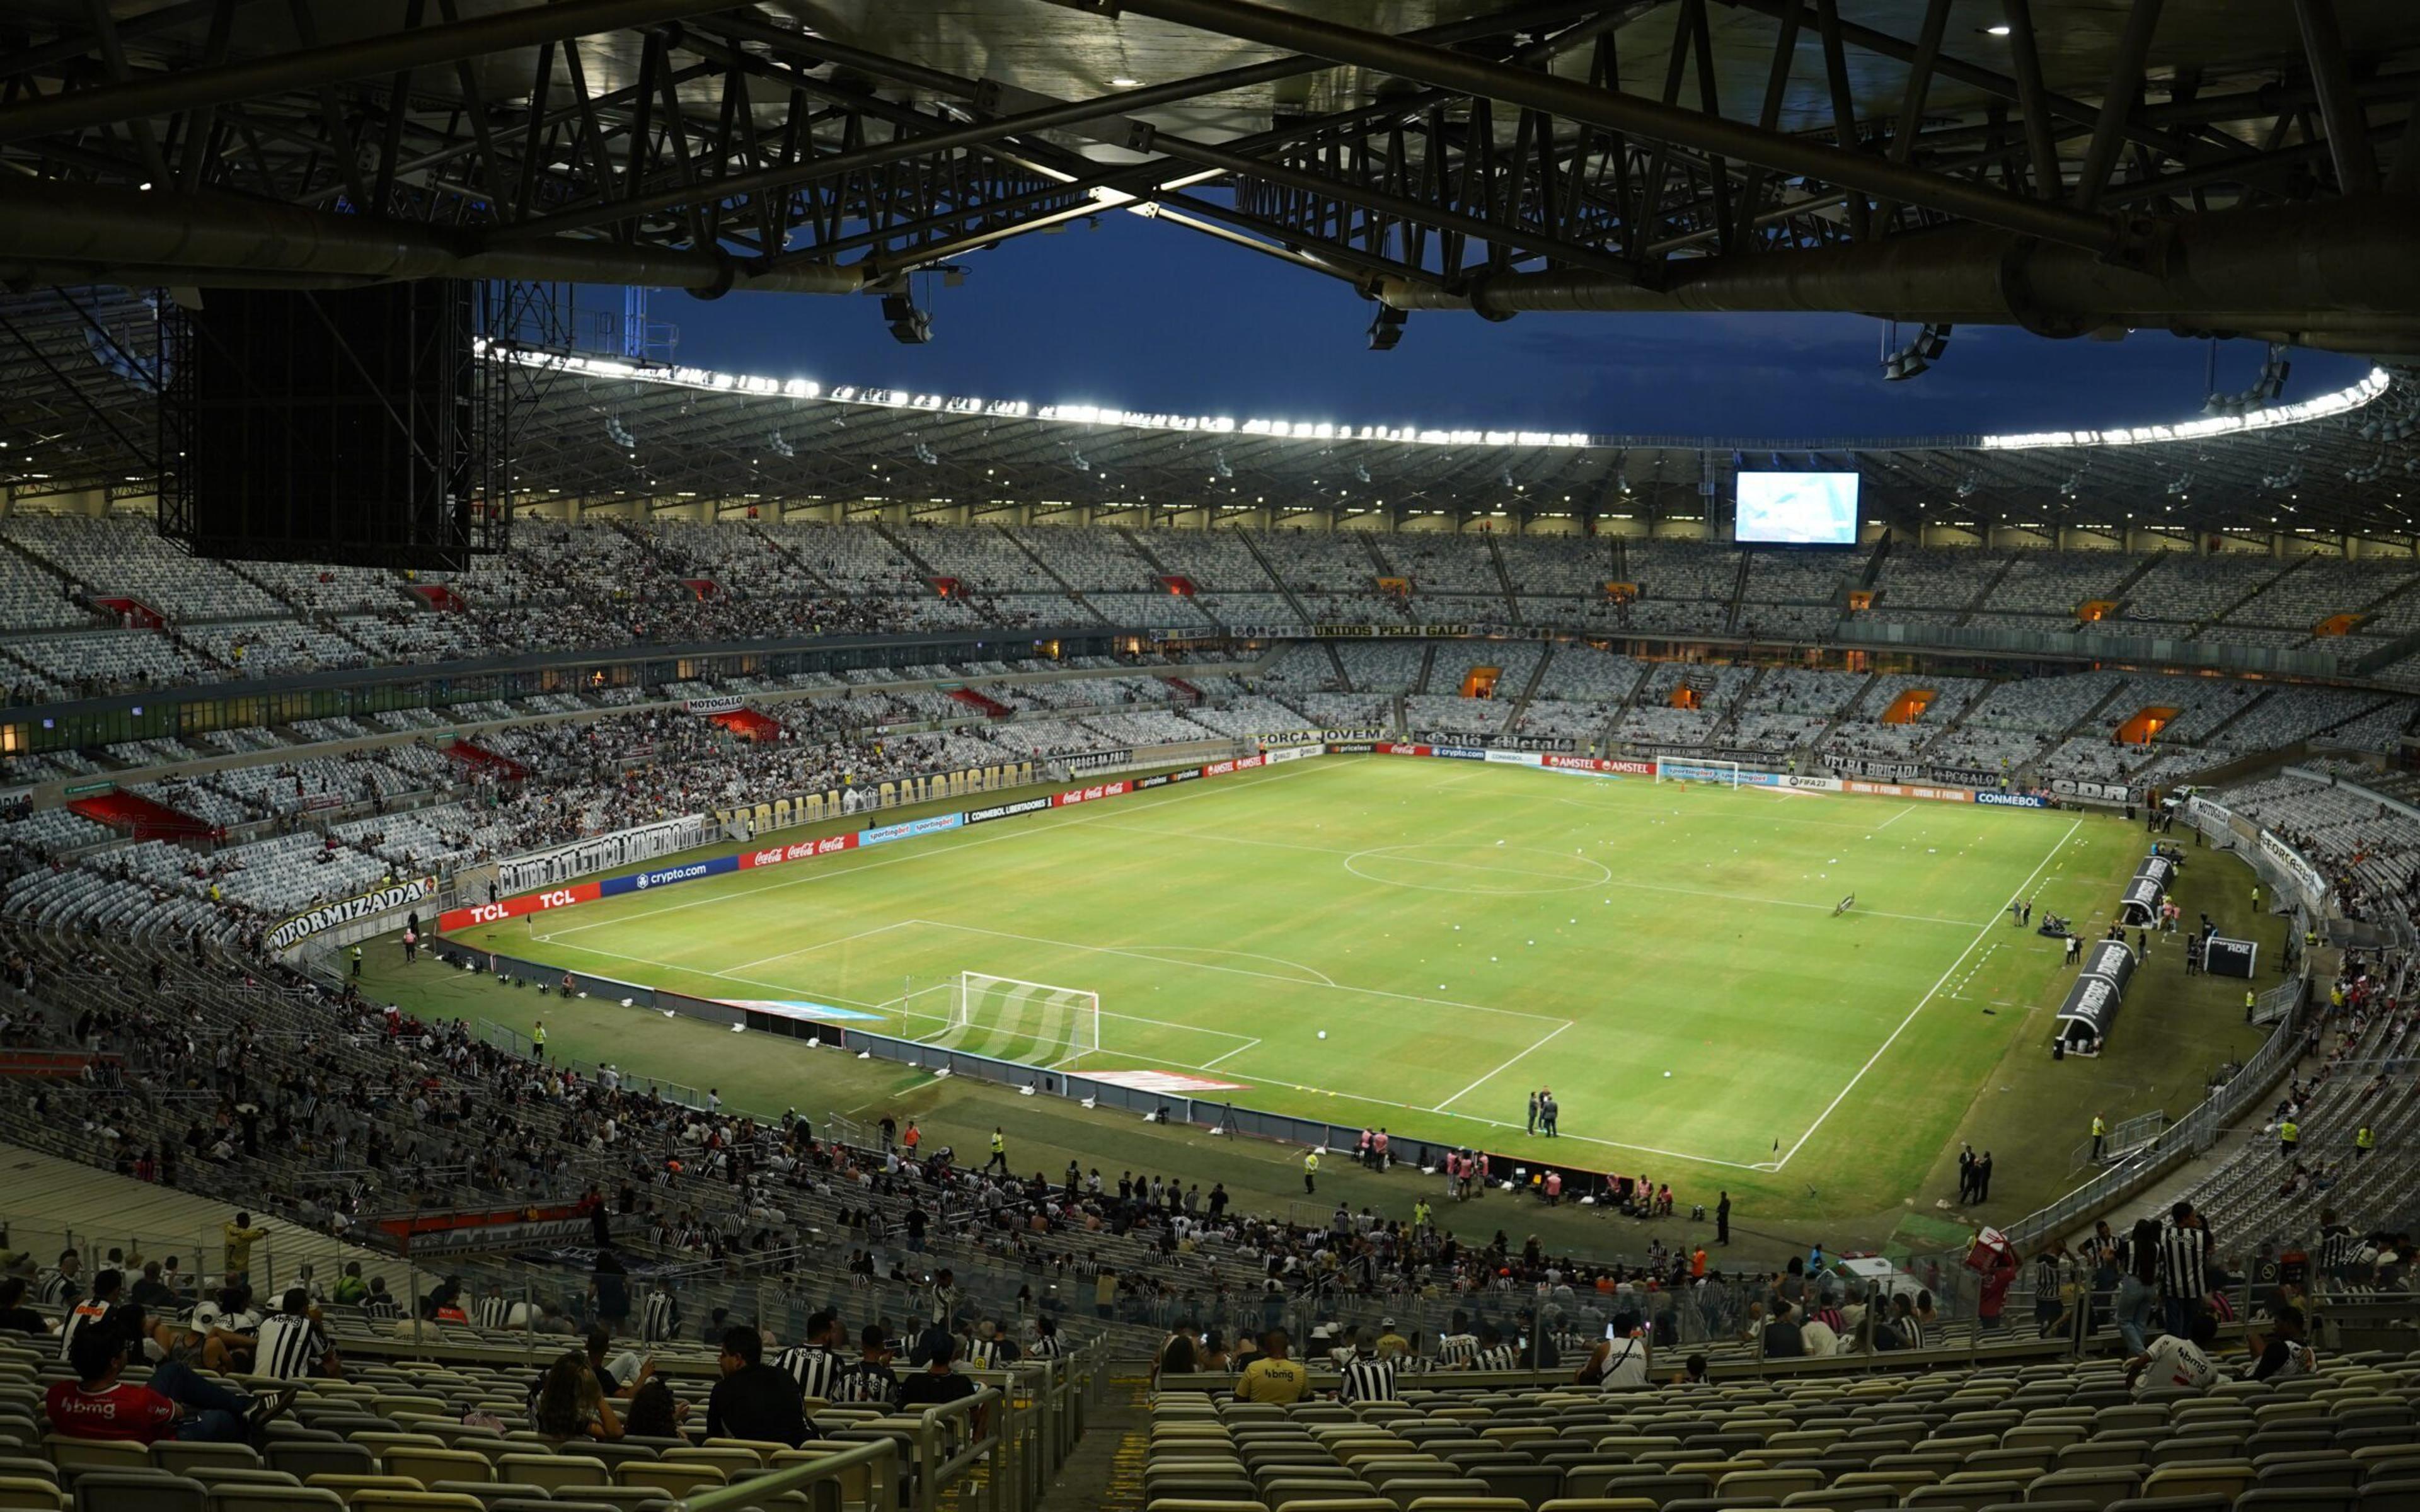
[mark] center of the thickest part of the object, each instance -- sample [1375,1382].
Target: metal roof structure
[2239,166]
[2208,168]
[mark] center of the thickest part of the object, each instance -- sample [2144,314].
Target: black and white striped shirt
[1045,1347]
[981,1354]
[814,1368]
[659,1316]
[83,1313]
[1368,1379]
[381,1306]
[867,1381]
[290,1344]
[1911,1332]
[2184,1263]
[1457,1350]
[2338,1247]
[493,1312]
[1501,1357]
[57,1287]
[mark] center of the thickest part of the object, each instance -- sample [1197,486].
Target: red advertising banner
[1098,790]
[1400,750]
[528,902]
[798,851]
[1593,763]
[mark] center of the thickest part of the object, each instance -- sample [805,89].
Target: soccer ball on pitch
[1322,1034]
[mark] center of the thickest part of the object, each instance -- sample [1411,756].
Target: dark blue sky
[1148,317]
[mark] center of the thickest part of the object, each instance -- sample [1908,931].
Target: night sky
[1146,317]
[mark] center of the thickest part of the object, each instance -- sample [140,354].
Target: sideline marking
[1988,925]
[1501,1070]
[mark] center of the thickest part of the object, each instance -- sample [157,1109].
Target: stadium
[598,914]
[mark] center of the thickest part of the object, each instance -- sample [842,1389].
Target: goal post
[1692,769]
[1035,1023]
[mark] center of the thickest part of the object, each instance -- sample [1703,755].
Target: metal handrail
[880,1460]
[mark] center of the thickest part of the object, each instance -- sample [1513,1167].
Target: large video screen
[1796,509]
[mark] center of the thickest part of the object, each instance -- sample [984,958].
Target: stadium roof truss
[2237,167]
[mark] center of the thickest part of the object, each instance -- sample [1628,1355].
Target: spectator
[1273,1376]
[2174,1364]
[755,1400]
[569,1405]
[176,1404]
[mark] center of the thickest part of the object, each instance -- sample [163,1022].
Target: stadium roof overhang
[2234,166]
[77,416]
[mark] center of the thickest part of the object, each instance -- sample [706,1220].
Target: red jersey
[119,1411]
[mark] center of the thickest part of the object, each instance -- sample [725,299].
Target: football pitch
[1419,944]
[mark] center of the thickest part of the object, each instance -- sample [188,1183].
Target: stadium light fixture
[1999,30]
[1386,328]
[1922,350]
[909,326]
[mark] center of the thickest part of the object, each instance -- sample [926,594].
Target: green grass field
[1462,934]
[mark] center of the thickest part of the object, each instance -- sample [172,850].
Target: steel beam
[2337,265]
[55,223]
[312,68]
[2340,107]
[1652,120]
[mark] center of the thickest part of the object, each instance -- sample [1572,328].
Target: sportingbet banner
[602,853]
[326,916]
[929,824]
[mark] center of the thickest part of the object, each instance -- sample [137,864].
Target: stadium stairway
[141,817]
[1105,1473]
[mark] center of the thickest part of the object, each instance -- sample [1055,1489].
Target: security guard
[2363,1141]
[1309,1171]
[2289,1133]
[2100,1138]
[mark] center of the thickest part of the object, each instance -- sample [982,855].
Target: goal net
[1671,770]
[1032,1021]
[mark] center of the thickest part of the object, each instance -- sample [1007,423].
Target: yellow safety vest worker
[1311,1161]
[2289,1131]
[999,1145]
[2098,1128]
[2363,1139]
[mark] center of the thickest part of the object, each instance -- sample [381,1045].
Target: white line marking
[1635,887]
[1203,966]
[1500,1070]
[1988,926]
[1237,1051]
[1895,818]
[809,950]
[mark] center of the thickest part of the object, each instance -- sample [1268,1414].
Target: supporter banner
[1385,632]
[1005,811]
[1880,769]
[2013,800]
[2304,874]
[1902,790]
[2106,795]
[1097,761]
[1455,737]
[384,900]
[665,877]
[729,703]
[1307,737]
[930,823]
[601,853]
